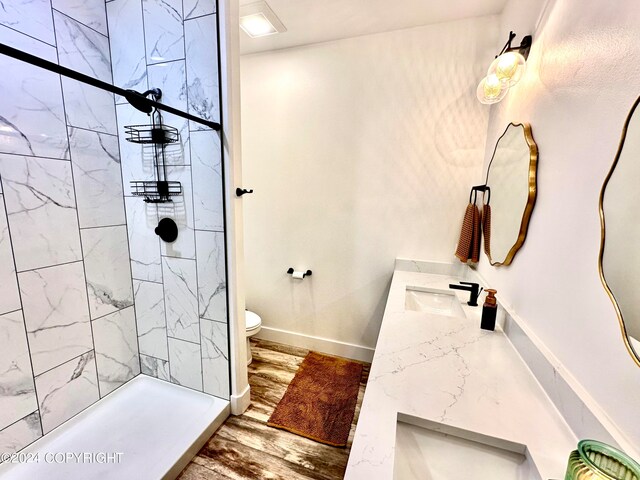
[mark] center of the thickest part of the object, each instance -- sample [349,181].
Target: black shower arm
[128,94]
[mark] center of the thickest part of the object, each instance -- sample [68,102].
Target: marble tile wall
[90,296]
[68,332]
[180,288]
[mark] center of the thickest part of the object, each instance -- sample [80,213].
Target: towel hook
[479,188]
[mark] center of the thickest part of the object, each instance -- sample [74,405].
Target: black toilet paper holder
[308,273]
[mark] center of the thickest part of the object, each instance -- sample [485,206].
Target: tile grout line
[193,206]
[30,36]
[24,322]
[73,184]
[81,23]
[48,266]
[63,363]
[124,202]
[164,296]
[75,127]
[105,226]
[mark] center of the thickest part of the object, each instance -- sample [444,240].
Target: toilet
[254,323]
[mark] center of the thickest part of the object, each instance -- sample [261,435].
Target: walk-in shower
[113,311]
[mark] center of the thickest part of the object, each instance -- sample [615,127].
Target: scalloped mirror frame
[635,355]
[531,199]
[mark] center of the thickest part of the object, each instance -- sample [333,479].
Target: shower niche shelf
[155,136]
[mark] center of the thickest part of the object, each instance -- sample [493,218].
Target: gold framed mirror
[512,179]
[619,259]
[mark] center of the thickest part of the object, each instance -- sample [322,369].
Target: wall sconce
[505,71]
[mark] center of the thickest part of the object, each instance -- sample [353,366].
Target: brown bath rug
[321,400]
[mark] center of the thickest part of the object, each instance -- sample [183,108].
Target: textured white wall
[582,78]
[360,151]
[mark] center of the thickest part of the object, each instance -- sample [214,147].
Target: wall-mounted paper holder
[308,273]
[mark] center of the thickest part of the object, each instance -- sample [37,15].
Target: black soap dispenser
[489,311]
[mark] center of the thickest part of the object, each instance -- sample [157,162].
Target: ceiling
[314,21]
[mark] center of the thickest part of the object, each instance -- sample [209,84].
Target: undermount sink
[440,302]
[429,450]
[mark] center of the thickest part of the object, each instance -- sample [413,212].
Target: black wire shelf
[147,134]
[156,191]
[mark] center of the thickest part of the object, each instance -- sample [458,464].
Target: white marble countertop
[448,370]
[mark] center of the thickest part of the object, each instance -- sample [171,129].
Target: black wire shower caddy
[158,135]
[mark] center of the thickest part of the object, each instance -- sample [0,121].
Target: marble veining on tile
[17,391]
[206,170]
[116,348]
[171,79]
[215,358]
[164,35]
[10,297]
[20,434]
[32,17]
[142,219]
[31,111]
[212,279]
[180,290]
[88,12]
[150,317]
[67,390]
[82,49]
[86,51]
[28,44]
[41,209]
[185,364]
[98,180]
[136,160]
[198,8]
[88,107]
[106,257]
[155,367]
[181,211]
[127,45]
[56,314]
[202,69]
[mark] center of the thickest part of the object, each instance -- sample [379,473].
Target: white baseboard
[240,402]
[323,345]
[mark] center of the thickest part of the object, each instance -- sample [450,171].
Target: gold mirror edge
[635,355]
[533,189]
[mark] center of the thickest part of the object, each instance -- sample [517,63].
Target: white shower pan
[155,427]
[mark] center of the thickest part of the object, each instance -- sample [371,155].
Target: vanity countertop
[448,370]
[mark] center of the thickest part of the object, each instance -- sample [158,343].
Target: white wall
[360,151]
[583,75]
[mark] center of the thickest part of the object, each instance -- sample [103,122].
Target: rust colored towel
[321,400]
[486,228]
[469,243]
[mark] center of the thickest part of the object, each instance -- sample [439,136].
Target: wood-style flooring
[244,447]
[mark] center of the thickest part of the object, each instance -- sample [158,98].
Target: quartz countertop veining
[448,370]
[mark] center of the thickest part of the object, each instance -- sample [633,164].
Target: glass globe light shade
[491,90]
[508,67]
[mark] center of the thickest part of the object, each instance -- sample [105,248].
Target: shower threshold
[147,429]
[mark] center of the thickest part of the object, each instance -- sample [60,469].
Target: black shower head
[139,100]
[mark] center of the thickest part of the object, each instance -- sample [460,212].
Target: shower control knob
[167,230]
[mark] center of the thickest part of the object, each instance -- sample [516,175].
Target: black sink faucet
[473,288]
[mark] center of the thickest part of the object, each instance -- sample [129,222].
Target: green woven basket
[595,460]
